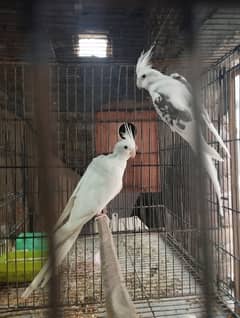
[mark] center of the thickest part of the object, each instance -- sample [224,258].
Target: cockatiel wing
[175,117]
[67,210]
[183,80]
[174,91]
[204,113]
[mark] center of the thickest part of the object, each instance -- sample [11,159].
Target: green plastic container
[31,241]
[21,266]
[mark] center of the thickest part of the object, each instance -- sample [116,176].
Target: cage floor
[152,269]
[181,307]
[174,307]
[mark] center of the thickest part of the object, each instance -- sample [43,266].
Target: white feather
[211,127]
[101,182]
[177,92]
[144,60]
[212,172]
[204,115]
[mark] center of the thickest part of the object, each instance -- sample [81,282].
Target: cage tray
[21,266]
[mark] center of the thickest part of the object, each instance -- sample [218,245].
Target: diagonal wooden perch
[117,299]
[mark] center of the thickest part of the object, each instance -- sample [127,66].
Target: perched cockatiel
[101,182]
[173,102]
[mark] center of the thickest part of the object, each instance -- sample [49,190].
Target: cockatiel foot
[101,213]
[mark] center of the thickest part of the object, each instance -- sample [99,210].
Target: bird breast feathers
[106,166]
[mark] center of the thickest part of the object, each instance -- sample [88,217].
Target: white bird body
[101,182]
[173,102]
[182,98]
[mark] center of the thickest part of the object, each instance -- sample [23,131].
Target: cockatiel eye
[144,76]
[125,147]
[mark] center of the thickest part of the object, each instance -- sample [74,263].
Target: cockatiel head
[144,71]
[126,147]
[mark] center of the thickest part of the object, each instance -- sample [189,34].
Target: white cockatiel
[100,183]
[173,102]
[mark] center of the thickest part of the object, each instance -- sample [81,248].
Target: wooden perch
[117,299]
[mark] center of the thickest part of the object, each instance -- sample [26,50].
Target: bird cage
[57,115]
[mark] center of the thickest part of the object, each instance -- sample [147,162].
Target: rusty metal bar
[200,180]
[43,123]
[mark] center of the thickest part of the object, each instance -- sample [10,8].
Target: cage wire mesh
[154,220]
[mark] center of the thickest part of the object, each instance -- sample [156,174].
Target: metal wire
[161,252]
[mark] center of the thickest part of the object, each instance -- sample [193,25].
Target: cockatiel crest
[144,61]
[127,140]
[144,71]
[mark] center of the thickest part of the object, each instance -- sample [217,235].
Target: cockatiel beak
[133,153]
[138,84]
